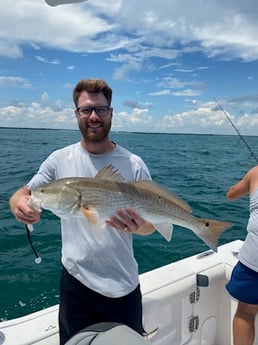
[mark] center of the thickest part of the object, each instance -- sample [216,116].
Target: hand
[23,212]
[130,221]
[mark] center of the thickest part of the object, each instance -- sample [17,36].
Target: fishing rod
[235,128]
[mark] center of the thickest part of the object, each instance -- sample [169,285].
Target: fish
[98,198]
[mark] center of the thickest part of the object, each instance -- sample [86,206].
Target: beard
[89,135]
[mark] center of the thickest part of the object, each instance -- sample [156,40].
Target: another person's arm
[245,186]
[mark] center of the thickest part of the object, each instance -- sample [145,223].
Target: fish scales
[111,196]
[108,196]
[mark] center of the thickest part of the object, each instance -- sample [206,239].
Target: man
[99,280]
[243,284]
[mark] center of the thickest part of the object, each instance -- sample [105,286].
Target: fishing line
[37,257]
[235,128]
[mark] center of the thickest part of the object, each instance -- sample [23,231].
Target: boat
[185,302]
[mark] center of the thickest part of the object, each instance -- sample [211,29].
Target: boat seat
[107,333]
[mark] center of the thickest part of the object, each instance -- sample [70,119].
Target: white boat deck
[186,300]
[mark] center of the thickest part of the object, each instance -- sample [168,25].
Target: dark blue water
[199,168]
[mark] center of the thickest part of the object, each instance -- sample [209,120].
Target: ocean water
[199,168]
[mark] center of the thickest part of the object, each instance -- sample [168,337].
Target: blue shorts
[243,284]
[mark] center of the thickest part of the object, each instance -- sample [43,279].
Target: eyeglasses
[100,111]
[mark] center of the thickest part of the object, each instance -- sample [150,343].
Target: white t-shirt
[105,265]
[248,254]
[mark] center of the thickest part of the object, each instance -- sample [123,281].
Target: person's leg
[81,307]
[126,310]
[244,324]
[77,308]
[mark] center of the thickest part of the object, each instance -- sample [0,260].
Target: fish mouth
[34,203]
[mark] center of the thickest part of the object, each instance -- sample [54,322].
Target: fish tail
[212,230]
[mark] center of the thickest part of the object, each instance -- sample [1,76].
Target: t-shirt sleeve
[45,174]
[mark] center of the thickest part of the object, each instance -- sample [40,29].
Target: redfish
[98,198]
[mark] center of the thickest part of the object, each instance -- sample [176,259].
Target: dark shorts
[81,307]
[243,284]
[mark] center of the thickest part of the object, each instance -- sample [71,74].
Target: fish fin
[93,218]
[91,214]
[162,192]
[166,230]
[210,234]
[111,174]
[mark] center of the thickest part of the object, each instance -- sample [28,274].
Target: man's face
[93,127]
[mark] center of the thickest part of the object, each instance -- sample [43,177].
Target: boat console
[107,333]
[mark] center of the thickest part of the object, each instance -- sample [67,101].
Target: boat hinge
[195,296]
[193,324]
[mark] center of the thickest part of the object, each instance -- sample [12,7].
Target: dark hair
[92,86]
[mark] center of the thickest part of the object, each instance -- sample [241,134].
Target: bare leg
[244,324]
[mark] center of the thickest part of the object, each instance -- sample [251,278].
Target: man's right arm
[20,209]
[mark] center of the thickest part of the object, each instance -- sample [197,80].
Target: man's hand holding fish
[130,221]
[20,206]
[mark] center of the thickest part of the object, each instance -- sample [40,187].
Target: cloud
[160,93]
[14,82]
[174,83]
[141,116]
[68,86]
[169,84]
[169,65]
[156,54]
[101,26]
[44,97]
[184,70]
[10,50]
[131,104]
[136,121]
[203,117]
[35,115]
[46,60]
[187,92]
[208,118]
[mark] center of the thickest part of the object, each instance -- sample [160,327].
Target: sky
[168,62]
